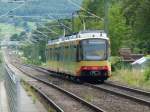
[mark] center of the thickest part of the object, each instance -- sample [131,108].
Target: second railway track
[130,93]
[137,95]
[68,101]
[108,102]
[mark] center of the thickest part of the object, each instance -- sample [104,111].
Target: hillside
[6,30]
[39,8]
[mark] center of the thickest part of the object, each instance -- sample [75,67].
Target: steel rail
[128,96]
[90,105]
[142,92]
[42,94]
[45,97]
[109,83]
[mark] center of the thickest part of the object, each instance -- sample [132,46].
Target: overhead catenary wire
[75,4]
[48,28]
[61,24]
[20,6]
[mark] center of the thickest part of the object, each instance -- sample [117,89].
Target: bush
[147,74]
[114,60]
[118,64]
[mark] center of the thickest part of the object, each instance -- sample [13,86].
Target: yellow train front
[83,55]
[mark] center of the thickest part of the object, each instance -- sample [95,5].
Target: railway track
[126,92]
[142,92]
[44,71]
[89,107]
[115,103]
[47,100]
[136,95]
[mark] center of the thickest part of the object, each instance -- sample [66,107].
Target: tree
[137,14]
[14,37]
[119,31]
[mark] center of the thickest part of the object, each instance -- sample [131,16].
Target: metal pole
[106,21]
[73,22]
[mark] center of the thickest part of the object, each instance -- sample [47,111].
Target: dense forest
[128,25]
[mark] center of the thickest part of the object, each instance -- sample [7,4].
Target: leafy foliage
[129,25]
[18,37]
[137,14]
[147,74]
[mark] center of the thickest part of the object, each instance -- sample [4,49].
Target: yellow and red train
[83,55]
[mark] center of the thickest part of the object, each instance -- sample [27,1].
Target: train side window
[49,54]
[55,54]
[69,53]
[46,53]
[74,52]
[58,53]
[66,53]
[78,53]
[52,54]
[62,53]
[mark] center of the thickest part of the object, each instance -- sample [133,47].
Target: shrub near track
[132,78]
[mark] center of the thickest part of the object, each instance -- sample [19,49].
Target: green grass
[32,25]
[132,78]
[6,30]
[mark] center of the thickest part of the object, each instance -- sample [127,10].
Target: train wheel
[101,81]
[78,80]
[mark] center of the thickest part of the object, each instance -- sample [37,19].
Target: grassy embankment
[135,78]
[132,77]
[6,30]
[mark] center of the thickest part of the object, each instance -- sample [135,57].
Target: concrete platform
[3,98]
[26,102]
[28,105]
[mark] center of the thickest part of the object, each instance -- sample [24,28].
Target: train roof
[87,34]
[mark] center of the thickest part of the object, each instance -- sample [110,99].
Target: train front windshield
[94,49]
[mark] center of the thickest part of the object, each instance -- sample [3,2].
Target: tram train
[83,55]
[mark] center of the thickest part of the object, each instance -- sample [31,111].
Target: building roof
[141,60]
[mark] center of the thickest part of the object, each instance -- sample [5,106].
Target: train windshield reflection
[94,49]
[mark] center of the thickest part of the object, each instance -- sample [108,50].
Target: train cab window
[94,49]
